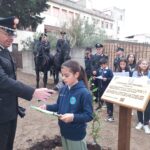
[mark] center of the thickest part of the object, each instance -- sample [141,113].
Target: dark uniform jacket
[45,46]
[10,89]
[95,61]
[88,65]
[63,48]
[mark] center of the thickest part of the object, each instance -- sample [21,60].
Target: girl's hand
[94,77]
[43,106]
[68,117]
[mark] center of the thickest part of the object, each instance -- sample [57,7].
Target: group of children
[122,64]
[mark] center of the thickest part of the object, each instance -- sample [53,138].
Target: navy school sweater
[76,100]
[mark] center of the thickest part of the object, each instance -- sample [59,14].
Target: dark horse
[42,64]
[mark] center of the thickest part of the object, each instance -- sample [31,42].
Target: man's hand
[68,117]
[43,94]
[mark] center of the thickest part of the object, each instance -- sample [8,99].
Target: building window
[102,24]
[121,18]
[71,15]
[106,25]
[111,26]
[56,11]
[118,30]
[77,15]
[64,14]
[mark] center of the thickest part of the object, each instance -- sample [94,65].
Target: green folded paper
[45,111]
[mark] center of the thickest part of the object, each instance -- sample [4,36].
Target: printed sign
[128,92]
[126,74]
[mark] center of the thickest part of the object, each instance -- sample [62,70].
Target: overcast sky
[137,15]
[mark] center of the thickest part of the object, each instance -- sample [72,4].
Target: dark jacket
[88,66]
[78,101]
[131,69]
[96,61]
[63,48]
[105,73]
[10,89]
[45,46]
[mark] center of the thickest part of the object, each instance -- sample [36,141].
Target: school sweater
[76,100]
[105,73]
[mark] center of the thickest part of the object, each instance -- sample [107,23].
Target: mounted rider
[63,47]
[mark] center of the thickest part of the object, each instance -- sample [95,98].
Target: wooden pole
[124,128]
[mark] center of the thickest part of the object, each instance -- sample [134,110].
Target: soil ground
[36,126]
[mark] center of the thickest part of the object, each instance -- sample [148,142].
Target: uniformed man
[95,66]
[119,55]
[96,58]
[88,61]
[10,88]
[63,47]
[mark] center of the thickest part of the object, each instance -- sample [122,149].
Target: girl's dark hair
[134,62]
[74,67]
[139,69]
[123,59]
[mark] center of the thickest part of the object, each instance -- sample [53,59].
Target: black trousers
[109,109]
[144,117]
[7,134]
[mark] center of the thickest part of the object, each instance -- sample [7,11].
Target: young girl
[74,105]
[123,65]
[131,60]
[143,117]
[131,63]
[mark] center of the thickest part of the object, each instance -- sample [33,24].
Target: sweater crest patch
[72,100]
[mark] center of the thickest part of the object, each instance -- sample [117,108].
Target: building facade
[62,12]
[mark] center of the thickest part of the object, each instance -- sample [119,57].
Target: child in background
[123,65]
[119,55]
[104,76]
[131,63]
[74,105]
[143,117]
[131,60]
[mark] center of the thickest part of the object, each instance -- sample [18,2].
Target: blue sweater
[105,73]
[76,100]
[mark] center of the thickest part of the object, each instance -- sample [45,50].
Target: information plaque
[128,92]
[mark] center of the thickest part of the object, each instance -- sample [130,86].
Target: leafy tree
[83,34]
[28,11]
